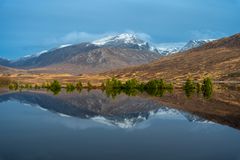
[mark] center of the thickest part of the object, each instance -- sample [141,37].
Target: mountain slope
[106,54]
[219,59]
[4,62]
[53,56]
[99,60]
[10,71]
[194,44]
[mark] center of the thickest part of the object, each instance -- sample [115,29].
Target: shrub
[113,92]
[79,85]
[37,87]
[113,87]
[141,87]
[131,92]
[13,86]
[21,86]
[198,87]
[70,87]
[26,86]
[189,87]
[131,84]
[55,87]
[89,85]
[169,87]
[156,92]
[155,84]
[113,83]
[158,87]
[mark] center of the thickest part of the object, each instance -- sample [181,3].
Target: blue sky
[29,26]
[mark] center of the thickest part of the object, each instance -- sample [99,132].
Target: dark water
[93,126]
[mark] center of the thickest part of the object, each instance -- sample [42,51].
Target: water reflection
[127,111]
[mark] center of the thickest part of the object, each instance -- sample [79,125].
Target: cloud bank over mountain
[29,27]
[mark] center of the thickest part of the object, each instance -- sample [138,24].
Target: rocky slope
[219,59]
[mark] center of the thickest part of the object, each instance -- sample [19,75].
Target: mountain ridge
[106,54]
[217,59]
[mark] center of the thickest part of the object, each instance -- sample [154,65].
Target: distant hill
[219,59]
[9,71]
[4,62]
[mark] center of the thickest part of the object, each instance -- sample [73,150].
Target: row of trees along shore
[130,87]
[206,88]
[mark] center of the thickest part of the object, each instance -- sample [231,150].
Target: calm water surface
[93,126]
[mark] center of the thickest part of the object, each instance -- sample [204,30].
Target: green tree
[13,86]
[37,86]
[55,87]
[89,86]
[141,87]
[70,87]
[113,87]
[131,84]
[26,86]
[207,87]
[198,87]
[189,87]
[113,83]
[79,85]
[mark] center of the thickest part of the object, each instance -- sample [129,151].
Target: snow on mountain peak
[39,53]
[167,48]
[127,38]
[195,43]
[33,55]
[64,45]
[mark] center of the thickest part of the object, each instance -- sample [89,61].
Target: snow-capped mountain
[64,45]
[33,55]
[129,40]
[117,51]
[89,58]
[165,49]
[124,40]
[194,44]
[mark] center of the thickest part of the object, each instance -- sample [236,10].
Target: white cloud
[75,37]
[141,35]
[78,37]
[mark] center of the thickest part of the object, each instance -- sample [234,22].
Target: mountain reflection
[123,111]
